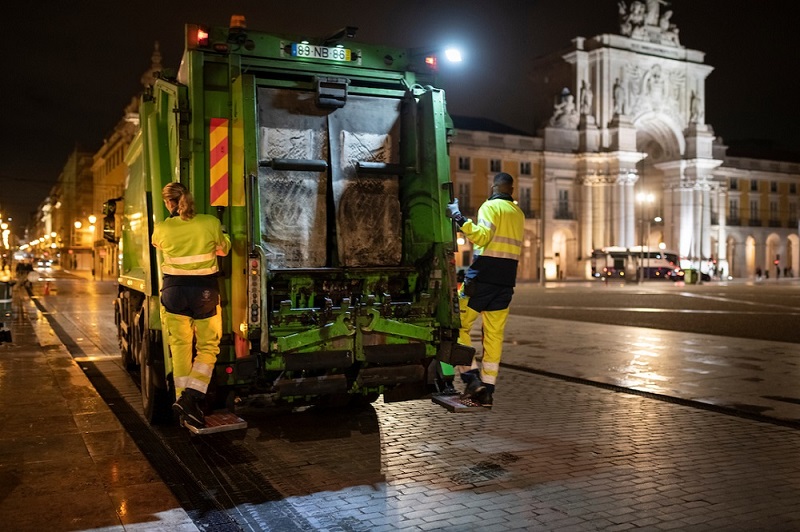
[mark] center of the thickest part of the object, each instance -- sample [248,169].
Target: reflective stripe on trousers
[494,324]
[181,330]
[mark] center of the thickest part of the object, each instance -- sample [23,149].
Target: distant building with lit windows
[622,118]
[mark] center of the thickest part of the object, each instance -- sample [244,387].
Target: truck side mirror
[110,221]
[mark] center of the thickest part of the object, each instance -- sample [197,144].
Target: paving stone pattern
[551,455]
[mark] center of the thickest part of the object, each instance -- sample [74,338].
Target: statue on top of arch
[643,20]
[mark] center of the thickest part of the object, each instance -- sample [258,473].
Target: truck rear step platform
[221,421]
[457,404]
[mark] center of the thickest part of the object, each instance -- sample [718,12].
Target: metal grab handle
[250,191]
[365,167]
[307,165]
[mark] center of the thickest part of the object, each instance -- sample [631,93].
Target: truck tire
[123,336]
[156,398]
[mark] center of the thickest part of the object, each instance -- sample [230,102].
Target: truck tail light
[196,37]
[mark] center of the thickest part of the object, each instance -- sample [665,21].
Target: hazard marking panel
[218,161]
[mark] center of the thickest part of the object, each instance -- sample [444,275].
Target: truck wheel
[125,347]
[156,399]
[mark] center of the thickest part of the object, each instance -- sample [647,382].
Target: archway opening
[750,257]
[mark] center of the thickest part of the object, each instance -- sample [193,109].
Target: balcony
[775,223]
[754,222]
[734,221]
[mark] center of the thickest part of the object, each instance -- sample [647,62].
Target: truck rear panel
[331,175]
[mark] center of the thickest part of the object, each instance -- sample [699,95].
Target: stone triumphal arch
[624,157]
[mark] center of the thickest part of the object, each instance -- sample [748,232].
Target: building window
[773,186]
[562,209]
[525,168]
[733,212]
[463,163]
[463,198]
[755,220]
[525,200]
[495,165]
[733,184]
[792,188]
[753,185]
[792,214]
[773,211]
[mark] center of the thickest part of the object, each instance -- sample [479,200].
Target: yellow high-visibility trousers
[493,331]
[181,332]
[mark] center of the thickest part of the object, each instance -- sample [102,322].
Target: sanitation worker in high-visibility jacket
[489,281]
[190,244]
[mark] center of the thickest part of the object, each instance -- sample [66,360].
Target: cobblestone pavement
[755,376]
[552,455]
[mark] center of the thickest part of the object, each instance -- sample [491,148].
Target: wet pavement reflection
[753,375]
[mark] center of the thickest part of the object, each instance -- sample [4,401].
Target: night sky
[70,68]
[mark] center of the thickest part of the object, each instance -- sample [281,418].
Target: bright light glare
[453,55]
[645,197]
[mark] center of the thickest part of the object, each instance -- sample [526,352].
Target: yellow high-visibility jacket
[497,237]
[191,247]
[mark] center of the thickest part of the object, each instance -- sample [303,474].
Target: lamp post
[4,260]
[645,199]
[92,227]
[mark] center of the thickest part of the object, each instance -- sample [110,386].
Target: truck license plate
[320,52]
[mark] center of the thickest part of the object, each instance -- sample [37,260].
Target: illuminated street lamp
[453,55]
[92,220]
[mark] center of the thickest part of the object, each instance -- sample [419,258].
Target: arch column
[587,209]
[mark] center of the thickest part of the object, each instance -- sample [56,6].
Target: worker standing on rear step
[190,244]
[489,281]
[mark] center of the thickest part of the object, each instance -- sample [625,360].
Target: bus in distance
[635,262]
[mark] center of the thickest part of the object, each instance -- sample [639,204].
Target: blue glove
[452,210]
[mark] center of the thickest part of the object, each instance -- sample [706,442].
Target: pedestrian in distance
[190,244]
[489,281]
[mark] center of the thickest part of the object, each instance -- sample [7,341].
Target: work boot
[479,393]
[469,376]
[188,407]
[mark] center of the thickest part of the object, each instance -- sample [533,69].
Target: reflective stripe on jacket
[499,230]
[191,247]
[497,238]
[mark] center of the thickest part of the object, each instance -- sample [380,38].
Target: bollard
[47,288]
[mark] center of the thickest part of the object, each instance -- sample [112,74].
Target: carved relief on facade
[645,22]
[655,89]
[605,178]
[587,97]
[565,112]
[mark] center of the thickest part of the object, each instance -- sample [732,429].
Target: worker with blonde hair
[190,244]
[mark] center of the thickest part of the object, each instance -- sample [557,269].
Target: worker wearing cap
[489,281]
[190,244]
